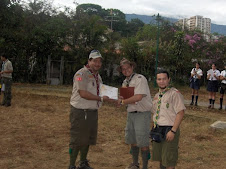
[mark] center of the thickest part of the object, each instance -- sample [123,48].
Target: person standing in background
[223,86]
[6,80]
[213,75]
[196,74]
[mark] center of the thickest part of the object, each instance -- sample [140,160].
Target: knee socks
[135,153]
[196,99]
[192,98]
[221,102]
[83,153]
[73,155]
[145,157]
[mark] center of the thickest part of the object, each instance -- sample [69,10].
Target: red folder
[126,92]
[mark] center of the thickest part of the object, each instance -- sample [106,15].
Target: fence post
[61,70]
[48,70]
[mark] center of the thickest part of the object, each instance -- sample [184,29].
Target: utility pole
[157,48]
[111,19]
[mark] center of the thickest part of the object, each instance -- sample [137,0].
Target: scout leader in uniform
[139,114]
[168,109]
[85,102]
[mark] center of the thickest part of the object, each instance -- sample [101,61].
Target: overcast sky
[213,9]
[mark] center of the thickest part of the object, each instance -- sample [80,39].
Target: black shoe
[72,167]
[191,103]
[196,104]
[2,104]
[84,165]
[220,108]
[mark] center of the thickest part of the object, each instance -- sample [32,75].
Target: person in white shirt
[213,75]
[223,86]
[196,74]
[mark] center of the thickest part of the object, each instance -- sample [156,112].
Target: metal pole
[157,49]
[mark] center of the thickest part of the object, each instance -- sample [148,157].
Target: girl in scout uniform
[196,74]
[223,86]
[212,77]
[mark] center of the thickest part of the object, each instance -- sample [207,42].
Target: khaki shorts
[137,128]
[84,125]
[166,152]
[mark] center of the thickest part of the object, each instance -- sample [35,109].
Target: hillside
[220,29]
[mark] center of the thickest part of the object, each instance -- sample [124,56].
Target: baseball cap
[94,54]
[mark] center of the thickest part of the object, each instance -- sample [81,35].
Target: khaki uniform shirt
[172,102]
[84,80]
[7,65]
[140,84]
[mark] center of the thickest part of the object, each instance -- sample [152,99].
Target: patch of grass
[35,134]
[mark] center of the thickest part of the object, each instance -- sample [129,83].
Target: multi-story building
[197,22]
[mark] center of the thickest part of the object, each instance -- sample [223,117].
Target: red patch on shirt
[79,79]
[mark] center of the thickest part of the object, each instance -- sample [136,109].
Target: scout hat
[125,61]
[95,54]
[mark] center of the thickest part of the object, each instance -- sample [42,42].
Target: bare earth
[35,133]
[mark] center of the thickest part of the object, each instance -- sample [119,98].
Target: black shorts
[222,88]
[84,125]
[195,84]
[212,86]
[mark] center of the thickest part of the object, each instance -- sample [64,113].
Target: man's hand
[170,136]
[105,98]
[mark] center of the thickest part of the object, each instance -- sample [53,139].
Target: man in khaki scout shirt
[139,114]
[6,80]
[168,109]
[85,102]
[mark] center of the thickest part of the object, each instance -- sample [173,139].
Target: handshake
[117,102]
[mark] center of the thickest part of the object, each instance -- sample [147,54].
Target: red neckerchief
[97,80]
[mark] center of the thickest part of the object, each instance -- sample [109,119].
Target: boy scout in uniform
[85,102]
[139,114]
[6,80]
[168,109]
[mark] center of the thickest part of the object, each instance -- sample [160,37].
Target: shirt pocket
[166,105]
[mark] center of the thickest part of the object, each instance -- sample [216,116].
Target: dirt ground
[35,134]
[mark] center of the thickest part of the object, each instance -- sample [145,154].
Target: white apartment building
[197,22]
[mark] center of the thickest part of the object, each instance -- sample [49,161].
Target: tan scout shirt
[172,102]
[141,87]
[84,80]
[7,65]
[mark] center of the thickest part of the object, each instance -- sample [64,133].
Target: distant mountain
[220,29]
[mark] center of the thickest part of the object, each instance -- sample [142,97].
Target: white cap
[94,54]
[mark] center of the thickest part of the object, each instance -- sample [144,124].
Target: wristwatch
[174,132]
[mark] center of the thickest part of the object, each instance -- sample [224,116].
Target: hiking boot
[209,106]
[191,103]
[212,106]
[220,108]
[196,104]
[72,167]
[84,165]
[133,166]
